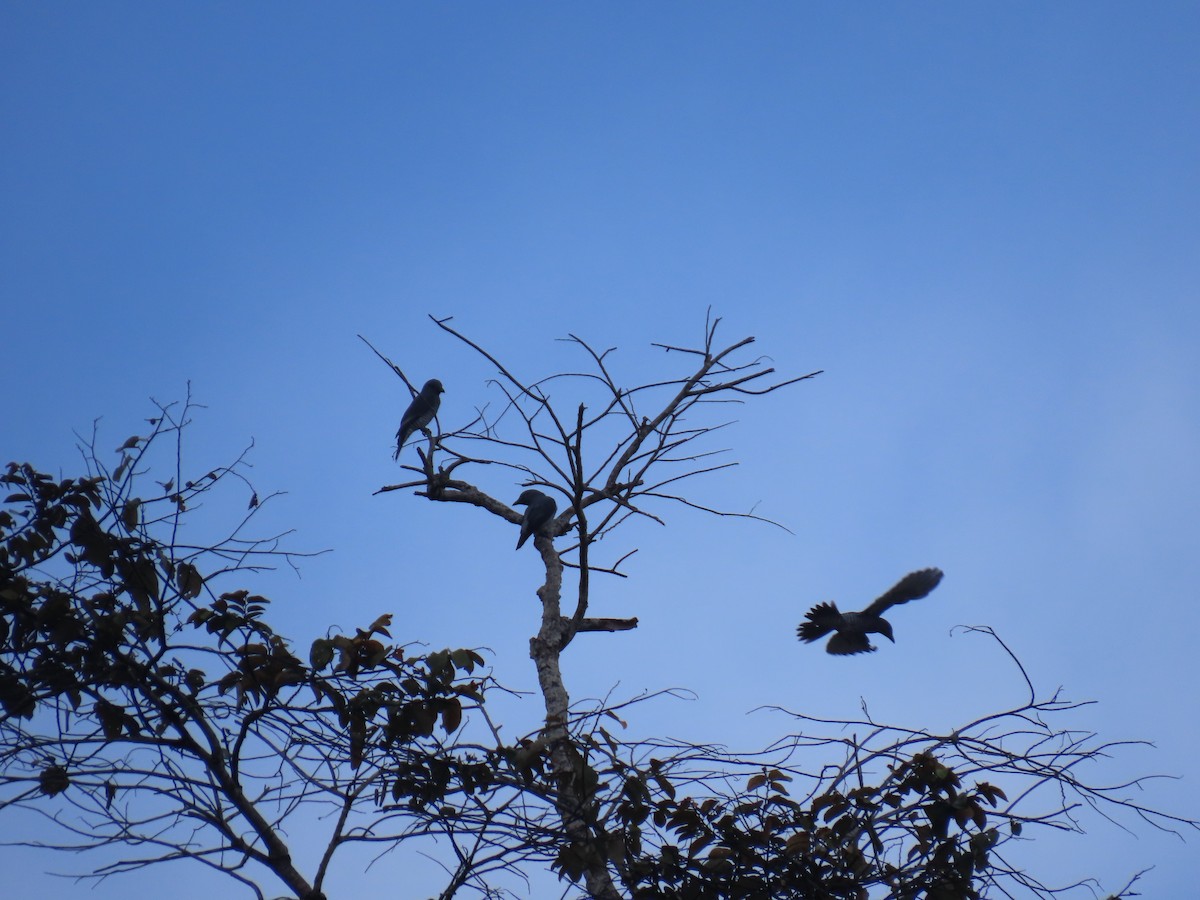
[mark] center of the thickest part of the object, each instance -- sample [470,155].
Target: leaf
[798,843]
[320,654]
[288,676]
[423,720]
[979,816]
[661,780]
[570,862]
[990,792]
[839,807]
[112,719]
[700,843]
[253,500]
[829,797]
[375,653]
[358,739]
[939,818]
[189,580]
[199,617]
[141,580]
[613,715]
[451,716]
[129,515]
[380,625]
[437,661]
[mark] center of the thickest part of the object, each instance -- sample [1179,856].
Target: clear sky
[979,219]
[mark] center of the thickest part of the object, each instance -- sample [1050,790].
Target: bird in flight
[851,628]
[539,509]
[420,413]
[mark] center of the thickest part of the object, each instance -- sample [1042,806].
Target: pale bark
[575,801]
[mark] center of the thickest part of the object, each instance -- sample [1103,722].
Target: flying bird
[420,413]
[539,509]
[852,628]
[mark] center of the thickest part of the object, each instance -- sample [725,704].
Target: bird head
[433,386]
[527,497]
[885,628]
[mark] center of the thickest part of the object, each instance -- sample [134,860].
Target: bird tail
[524,537]
[822,619]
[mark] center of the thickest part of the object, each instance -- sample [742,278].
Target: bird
[852,628]
[539,509]
[420,413]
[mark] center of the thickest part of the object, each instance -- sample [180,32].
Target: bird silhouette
[852,628]
[420,413]
[539,509]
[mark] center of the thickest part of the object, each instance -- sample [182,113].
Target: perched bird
[420,413]
[853,627]
[539,509]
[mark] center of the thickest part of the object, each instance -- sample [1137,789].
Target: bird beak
[890,638]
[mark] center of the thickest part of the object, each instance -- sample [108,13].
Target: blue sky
[980,221]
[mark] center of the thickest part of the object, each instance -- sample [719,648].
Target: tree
[146,702]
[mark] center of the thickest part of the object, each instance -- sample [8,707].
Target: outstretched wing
[912,586]
[844,643]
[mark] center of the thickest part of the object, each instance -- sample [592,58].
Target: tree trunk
[574,795]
